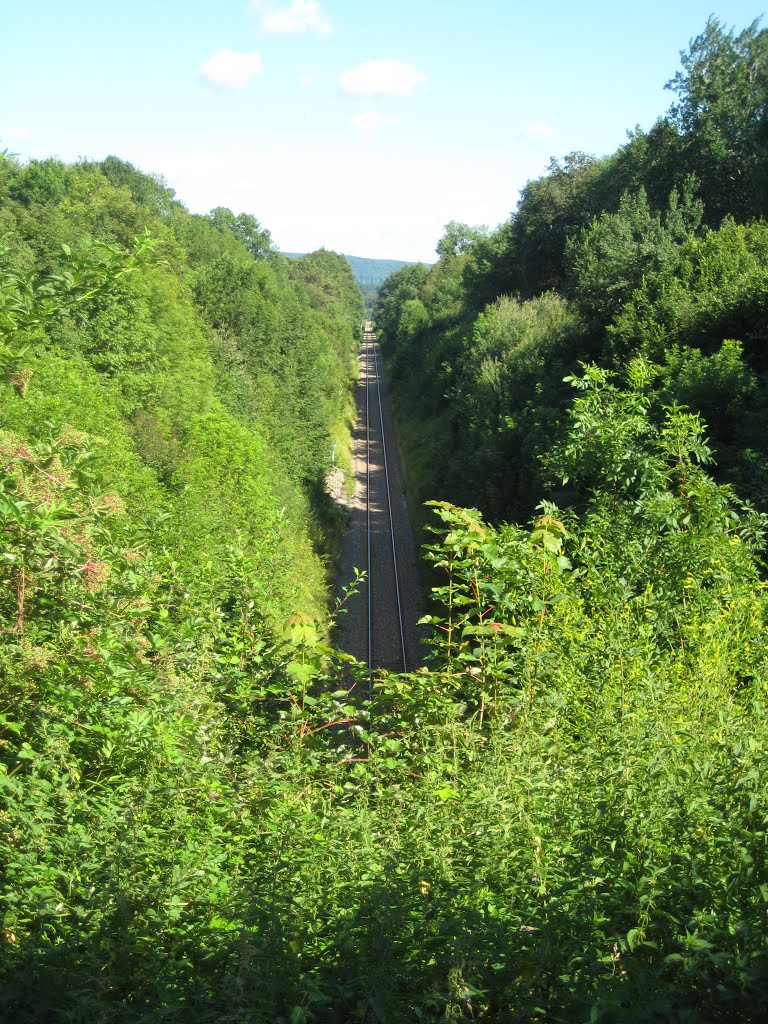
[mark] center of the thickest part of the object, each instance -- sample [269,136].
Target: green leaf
[447,793]
[301,672]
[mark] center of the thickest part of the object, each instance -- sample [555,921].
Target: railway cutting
[379,626]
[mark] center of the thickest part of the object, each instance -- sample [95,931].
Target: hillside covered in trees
[369,274]
[656,252]
[205,816]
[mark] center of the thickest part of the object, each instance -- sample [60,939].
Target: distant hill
[370,274]
[373,272]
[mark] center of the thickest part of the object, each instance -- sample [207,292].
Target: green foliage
[489,385]
[721,114]
[400,287]
[551,209]
[636,244]
[255,239]
[330,283]
[715,134]
[712,288]
[562,818]
[459,239]
[143,650]
[147,190]
[601,855]
[207,814]
[610,259]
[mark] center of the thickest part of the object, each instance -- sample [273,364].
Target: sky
[362,126]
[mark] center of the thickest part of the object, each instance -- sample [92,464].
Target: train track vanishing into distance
[370,346]
[379,624]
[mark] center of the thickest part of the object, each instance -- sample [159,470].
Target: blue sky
[360,126]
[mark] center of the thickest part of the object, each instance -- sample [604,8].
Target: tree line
[656,251]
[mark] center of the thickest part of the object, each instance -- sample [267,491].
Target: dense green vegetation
[605,349]
[369,274]
[656,250]
[563,818]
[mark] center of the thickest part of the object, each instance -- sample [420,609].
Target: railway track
[381,529]
[379,625]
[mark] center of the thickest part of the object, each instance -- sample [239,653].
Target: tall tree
[256,239]
[721,110]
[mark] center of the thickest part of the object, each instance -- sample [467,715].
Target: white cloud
[299,16]
[306,81]
[18,133]
[228,69]
[381,78]
[539,129]
[368,121]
